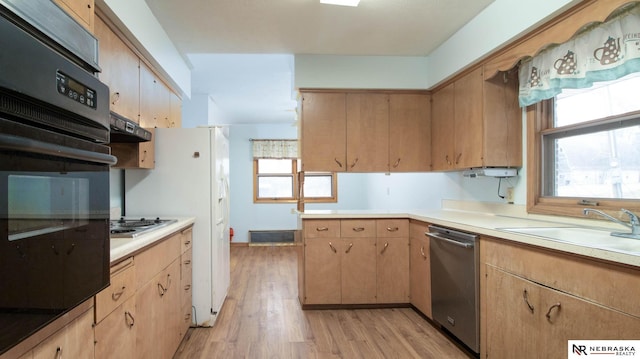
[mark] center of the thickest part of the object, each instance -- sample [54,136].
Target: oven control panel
[76,91]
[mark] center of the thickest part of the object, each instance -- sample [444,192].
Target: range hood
[498,172]
[125,130]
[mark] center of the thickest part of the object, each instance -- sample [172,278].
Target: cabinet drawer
[186,237]
[350,228]
[395,228]
[122,288]
[321,228]
[153,260]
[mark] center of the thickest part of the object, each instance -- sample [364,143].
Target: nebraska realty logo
[603,348]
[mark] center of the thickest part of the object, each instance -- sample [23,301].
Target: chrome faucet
[634,222]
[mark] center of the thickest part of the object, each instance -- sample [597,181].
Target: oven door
[54,227]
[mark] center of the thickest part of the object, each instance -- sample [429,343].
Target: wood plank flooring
[262,318]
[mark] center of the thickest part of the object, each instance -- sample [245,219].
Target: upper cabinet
[477,123]
[81,10]
[119,71]
[365,131]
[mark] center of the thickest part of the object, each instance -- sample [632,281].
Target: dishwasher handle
[450,241]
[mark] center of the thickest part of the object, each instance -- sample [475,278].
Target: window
[587,143]
[276,180]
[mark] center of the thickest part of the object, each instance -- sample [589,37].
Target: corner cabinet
[531,295]
[477,123]
[365,131]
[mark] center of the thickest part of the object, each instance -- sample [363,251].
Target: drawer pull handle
[446,158]
[392,229]
[358,229]
[355,162]
[385,247]
[349,249]
[525,295]
[548,315]
[161,289]
[322,229]
[187,262]
[116,296]
[116,97]
[338,162]
[187,316]
[58,353]
[186,243]
[458,158]
[395,165]
[422,252]
[333,248]
[129,319]
[187,287]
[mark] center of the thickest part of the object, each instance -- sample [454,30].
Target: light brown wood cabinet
[355,261]
[186,291]
[75,340]
[477,123]
[136,93]
[531,296]
[119,71]
[81,10]
[115,314]
[392,273]
[135,155]
[365,131]
[323,134]
[420,267]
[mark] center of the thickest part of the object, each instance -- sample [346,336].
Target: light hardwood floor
[262,318]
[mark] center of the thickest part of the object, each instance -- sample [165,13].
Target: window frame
[539,118]
[297,183]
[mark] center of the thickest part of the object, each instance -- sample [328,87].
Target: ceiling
[241,51]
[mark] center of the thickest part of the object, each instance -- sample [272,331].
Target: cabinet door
[409,133]
[420,268]
[324,132]
[155,99]
[73,341]
[367,132]
[392,275]
[469,131]
[119,71]
[116,334]
[512,307]
[358,267]
[442,129]
[135,155]
[81,10]
[502,121]
[322,271]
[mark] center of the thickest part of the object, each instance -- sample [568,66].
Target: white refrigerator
[190,179]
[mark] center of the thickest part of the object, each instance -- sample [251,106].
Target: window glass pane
[317,186]
[604,164]
[274,166]
[275,187]
[602,100]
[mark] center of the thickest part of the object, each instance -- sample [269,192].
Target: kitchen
[399,191]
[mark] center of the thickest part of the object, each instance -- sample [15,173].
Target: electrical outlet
[509,195]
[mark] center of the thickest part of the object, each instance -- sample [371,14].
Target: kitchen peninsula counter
[494,224]
[121,248]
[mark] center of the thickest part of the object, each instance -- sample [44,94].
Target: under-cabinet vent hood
[498,172]
[125,130]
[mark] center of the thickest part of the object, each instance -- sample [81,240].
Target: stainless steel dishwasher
[454,283]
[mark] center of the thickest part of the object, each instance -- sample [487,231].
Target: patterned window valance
[605,52]
[275,148]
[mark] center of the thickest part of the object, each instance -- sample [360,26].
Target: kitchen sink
[588,237]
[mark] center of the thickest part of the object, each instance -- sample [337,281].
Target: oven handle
[15,143]
[451,241]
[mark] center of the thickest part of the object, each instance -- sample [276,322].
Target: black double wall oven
[54,168]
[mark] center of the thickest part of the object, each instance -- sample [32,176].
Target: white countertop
[123,247]
[495,224]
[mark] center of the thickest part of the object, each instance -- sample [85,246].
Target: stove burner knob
[157,220]
[121,220]
[142,219]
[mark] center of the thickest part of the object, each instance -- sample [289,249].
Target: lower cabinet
[354,261]
[528,314]
[420,268]
[75,340]
[116,333]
